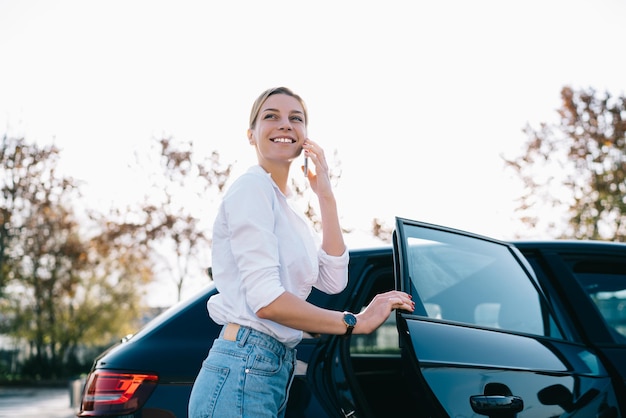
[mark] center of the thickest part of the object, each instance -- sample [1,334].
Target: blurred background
[124,122]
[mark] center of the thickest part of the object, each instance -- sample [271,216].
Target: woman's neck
[280,175]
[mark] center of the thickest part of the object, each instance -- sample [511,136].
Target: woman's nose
[285,125]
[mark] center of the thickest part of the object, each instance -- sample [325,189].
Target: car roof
[525,243]
[371,250]
[569,244]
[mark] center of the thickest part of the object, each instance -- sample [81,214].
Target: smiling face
[279,131]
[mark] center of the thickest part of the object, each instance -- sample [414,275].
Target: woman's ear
[251,137]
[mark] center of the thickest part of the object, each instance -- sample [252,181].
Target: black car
[524,329]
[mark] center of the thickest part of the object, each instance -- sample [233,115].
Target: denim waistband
[247,335]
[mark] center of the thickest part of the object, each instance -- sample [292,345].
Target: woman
[266,259]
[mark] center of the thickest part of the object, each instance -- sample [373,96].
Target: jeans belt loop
[244,336]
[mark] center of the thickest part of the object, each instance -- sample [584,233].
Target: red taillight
[115,392]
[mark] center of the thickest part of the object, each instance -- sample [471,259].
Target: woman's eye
[297,118]
[269,116]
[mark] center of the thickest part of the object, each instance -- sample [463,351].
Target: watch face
[350,320]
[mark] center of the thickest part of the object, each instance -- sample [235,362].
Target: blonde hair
[256,107]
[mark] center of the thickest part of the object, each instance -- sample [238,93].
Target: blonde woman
[266,259]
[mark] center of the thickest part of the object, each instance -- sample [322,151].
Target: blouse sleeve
[333,272]
[250,217]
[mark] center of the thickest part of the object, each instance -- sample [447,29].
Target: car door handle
[489,404]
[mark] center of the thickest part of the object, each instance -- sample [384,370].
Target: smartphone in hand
[306,165]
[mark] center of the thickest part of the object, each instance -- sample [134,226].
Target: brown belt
[230,331]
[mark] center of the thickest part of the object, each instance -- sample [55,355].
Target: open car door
[484,339]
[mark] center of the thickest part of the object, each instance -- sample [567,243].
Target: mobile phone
[306,165]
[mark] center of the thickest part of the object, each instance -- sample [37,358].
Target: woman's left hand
[380,308]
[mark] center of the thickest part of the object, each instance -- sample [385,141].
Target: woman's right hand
[380,308]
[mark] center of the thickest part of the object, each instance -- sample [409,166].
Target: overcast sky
[419,99]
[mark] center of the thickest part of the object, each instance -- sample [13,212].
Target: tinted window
[384,340]
[473,281]
[604,279]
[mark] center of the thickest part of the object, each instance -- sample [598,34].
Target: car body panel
[597,305]
[461,362]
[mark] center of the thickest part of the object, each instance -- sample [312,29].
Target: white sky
[419,98]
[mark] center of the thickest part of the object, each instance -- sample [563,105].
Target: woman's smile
[284,140]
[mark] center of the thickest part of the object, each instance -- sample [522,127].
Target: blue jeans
[249,377]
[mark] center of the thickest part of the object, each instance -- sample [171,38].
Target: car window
[473,281]
[604,279]
[384,340]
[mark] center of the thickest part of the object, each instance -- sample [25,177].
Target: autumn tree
[303,194]
[379,228]
[11,184]
[66,283]
[382,231]
[577,169]
[173,208]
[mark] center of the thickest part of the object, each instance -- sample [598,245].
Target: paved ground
[35,403]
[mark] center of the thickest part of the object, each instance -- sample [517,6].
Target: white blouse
[261,248]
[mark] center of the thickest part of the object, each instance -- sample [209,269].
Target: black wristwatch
[350,320]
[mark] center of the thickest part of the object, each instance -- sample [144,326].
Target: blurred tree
[382,231]
[302,192]
[65,281]
[578,166]
[10,157]
[176,202]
